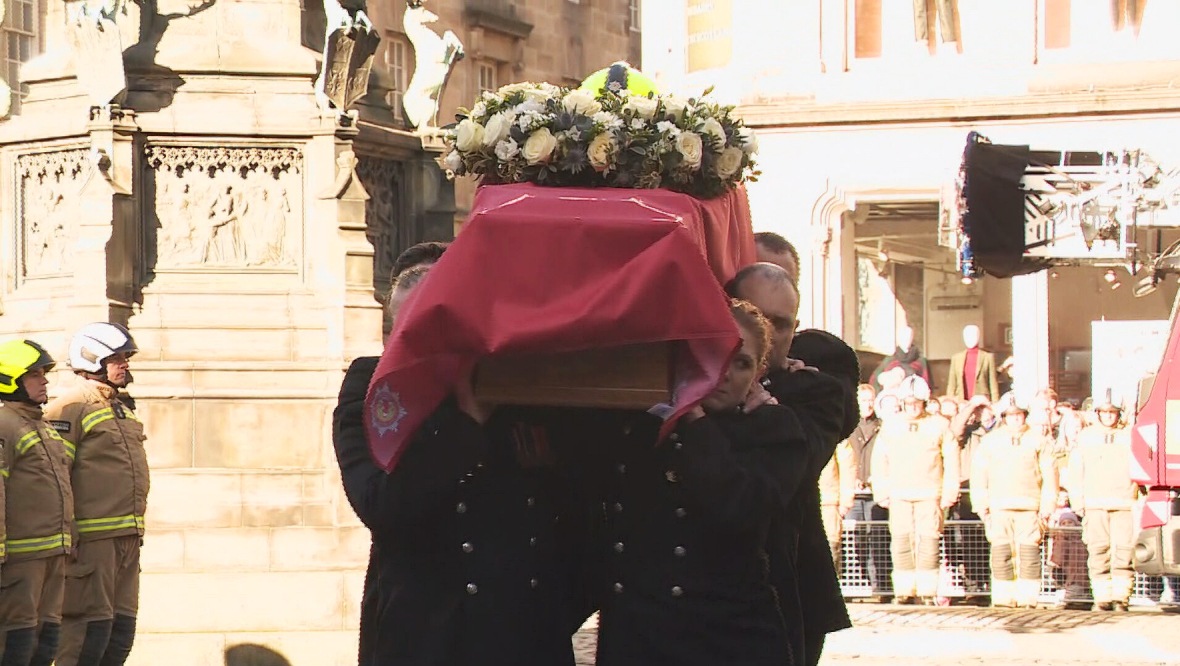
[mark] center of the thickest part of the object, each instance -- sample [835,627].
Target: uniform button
[626,430]
[678,445]
[677,591]
[618,507]
[461,507]
[467,547]
[478,465]
[618,546]
[532,541]
[622,468]
[532,501]
[472,588]
[618,588]
[671,476]
[679,551]
[674,437]
[680,512]
[533,583]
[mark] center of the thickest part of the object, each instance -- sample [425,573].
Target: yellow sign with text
[710,34]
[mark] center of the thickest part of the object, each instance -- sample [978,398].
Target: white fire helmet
[913,388]
[1108,399]
[96,342]
[1010,404]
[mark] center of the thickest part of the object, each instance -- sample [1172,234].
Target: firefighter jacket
[37,504]
[110,469]
[1099,470]
[837,481]
[915,460]
[1014,471]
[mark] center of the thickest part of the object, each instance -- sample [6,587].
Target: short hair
[426,252]
[777,244]
[752,319]
[762,269]
[866,387]
[410,278]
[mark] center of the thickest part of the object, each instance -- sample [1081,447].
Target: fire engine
[1018,211]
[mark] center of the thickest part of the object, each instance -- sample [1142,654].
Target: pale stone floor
[885,635]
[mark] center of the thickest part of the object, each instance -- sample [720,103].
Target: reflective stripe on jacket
[38,502]
[110,470]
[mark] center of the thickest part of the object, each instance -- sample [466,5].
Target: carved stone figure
[381,179]
[98,48]
[49,186]
[349,47]
[225,207]
[434,57]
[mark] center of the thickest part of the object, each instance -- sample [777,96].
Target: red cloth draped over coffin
[541,270]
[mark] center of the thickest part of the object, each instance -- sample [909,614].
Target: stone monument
[171,169]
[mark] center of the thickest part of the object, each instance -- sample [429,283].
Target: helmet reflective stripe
[913,388]
[97,342]
[1009,403]
[18,357]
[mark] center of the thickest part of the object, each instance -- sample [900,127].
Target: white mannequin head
[905,338]
[970,336]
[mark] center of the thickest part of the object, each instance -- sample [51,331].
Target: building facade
[863,110]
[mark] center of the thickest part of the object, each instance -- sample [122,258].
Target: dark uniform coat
[685,560]
[473,540]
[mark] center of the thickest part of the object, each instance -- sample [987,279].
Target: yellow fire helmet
[18,357]
[618,77]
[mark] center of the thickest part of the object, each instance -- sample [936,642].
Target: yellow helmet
[18,357]
[618,77]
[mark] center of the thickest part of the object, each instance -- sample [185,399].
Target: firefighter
[1014,491]
[1102,493]
[837,491]
[36,509]
[110,481]
[915,476]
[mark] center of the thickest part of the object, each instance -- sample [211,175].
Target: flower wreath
[545,134]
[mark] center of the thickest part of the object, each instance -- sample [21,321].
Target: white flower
[530,106]
[668,128]
[638,123]
[506,150]
[539,146]
[749,140]
[644,107]
[688,144]
[479,110]
[600,150]
[453,160]
[675,106]
[608,120]
[515,87]
[496,129]
[538,95]
[581,101]
[714,129]
[468,135]
[729,161]
[526,120]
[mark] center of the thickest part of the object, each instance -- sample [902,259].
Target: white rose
[468,135]
[688,144]
[537,95]
[581,101]
[644,107]
[675,107]
[600,150]
[715,130]
[749,140]
[479,110]
[539,146]
[497,129]
[453,161]
[506,150]
[729,161]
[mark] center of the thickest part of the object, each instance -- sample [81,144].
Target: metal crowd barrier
[865,564]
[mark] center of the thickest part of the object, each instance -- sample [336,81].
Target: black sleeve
[821,402]
[742,490]
[447,445]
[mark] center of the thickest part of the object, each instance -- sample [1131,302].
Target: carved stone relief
[225,207]
[382,180]
[48,186]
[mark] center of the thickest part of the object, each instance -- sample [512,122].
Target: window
[21,42]
[397,54]
[635,11]
[1057,26]
[867,29]
[487,77]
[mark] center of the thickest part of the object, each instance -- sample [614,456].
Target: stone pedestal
[245,237]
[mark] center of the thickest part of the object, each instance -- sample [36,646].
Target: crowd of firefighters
[73,493]
[1024,470]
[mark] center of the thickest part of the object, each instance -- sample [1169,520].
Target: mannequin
[907,357]
[973,370]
